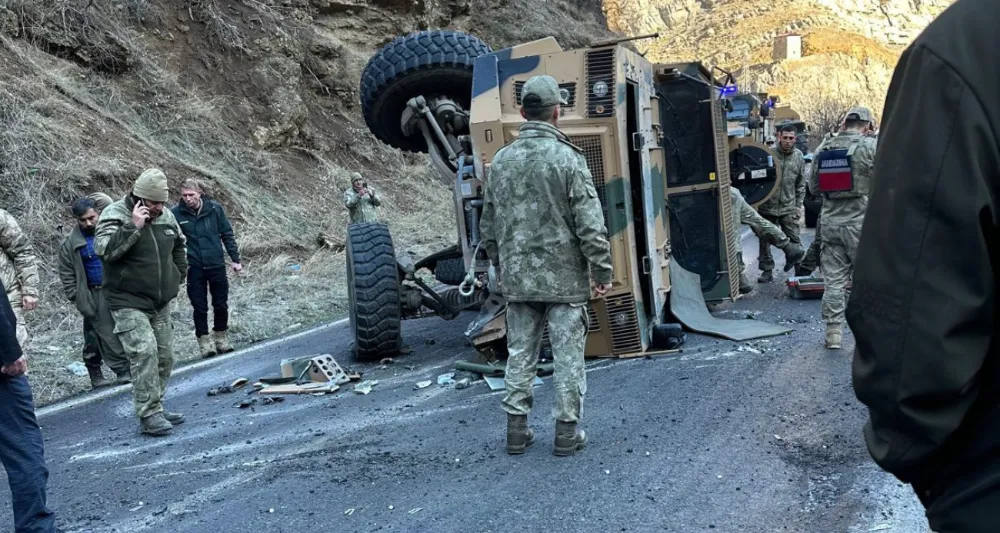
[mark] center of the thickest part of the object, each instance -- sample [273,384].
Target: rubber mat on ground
[688,305]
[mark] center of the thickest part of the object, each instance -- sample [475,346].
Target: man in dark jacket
[21,449]
[924,303]
[207,229]
[82,277]
[144,265]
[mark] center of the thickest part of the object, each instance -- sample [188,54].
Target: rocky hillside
[849,50]
[259,99]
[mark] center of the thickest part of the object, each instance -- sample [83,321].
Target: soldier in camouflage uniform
[543,229]
[842,216]
[784,208]
[361,200]
[767,232]
[18,270]
[145,262]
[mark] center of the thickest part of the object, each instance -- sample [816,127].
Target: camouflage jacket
[362,208]
[18,263]
[846,208]
[143,268]
[792,193]
[542,222]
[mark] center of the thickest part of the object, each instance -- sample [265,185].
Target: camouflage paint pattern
[811,259]
[147,339]
[567,333]
[362,208]
[595,121]
[789,227]
[542,223]
[842,217]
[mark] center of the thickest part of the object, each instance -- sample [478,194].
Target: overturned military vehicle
[654,138]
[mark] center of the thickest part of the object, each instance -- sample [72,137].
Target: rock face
[849,47]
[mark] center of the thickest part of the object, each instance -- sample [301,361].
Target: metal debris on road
[463,383]
[387,361]
[423,384]
[881,527]
[307,388]
[364,387]
[496,383]
[415,511]
[349,512]
[239,383]
[446,379]
[247,403]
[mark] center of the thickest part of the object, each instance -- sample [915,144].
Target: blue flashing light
[728,90]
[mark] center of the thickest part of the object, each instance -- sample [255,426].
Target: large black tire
[428,63]
[373,289]
[450,271]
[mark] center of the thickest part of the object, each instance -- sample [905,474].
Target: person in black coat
[924,305]
[21,448]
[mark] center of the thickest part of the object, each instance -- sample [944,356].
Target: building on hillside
[788,46]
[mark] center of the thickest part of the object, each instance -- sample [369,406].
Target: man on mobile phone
[145,261]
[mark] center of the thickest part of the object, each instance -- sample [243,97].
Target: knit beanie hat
[152,185]
[101,200]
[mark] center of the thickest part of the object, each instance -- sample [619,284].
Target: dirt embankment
[258,98]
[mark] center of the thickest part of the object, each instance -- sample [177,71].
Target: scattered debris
[349,512]
[277,381]
[463,383]
[778,437]
[77,368]
[446,379]
[391,507]
[247,403]
[225,389]
[324,369]
[415,511]
[881,527]
[307,388]
[136,508]
[423,384]
[294,268]
[364,387]
[239,383]
[387,361]
[748,349]
[496,383]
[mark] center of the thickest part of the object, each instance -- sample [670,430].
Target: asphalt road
[763,436]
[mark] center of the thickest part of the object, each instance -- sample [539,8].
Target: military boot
[519,435]
[97,377]
[745,286]
[569,439]
[793,254]
[205,346]
[834,336]
[766,276]
[156,425]
[124,377]
[222,342]
[803,271]
[174,418]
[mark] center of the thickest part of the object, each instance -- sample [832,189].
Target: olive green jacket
[143,268]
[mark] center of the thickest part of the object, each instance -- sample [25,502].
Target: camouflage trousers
[840,243]
[100,344]
[789,225]
[147,339]
[811,259]
[568,335]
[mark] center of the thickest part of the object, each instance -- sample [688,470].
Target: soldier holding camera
[361,200]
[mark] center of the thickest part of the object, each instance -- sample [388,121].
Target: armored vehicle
[654,140]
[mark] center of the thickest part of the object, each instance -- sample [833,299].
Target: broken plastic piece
[241,382]
[423,384]
[446,379]
[364,387]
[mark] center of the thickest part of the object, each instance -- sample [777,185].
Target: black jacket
[206,232]
[924,301]
[10,350]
